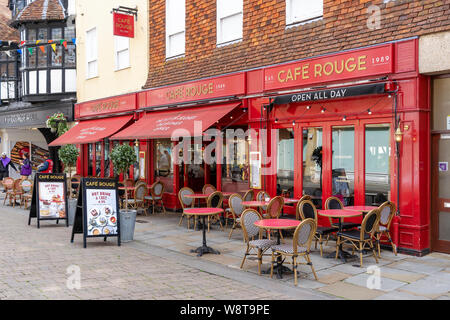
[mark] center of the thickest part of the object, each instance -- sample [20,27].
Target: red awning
[90,131]
[175,123]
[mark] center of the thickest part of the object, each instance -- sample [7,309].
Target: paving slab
[400,274]
[399,295]
[428,287]
[385,284]
[415,266]
[350,291]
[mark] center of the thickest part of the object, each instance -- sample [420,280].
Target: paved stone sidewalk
[34,265]
[159,265]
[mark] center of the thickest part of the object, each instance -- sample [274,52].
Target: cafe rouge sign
[346,65]
[231,85]
[105,106]
[123,25]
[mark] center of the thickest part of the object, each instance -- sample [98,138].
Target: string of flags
[41,44]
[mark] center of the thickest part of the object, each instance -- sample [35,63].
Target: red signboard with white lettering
[123,25]
[231,85]
[347,65]
[111,105]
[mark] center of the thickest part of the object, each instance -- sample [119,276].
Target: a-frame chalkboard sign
[97,213]
[49,199]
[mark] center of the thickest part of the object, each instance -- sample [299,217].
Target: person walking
[46,166]
[25,169]
[4,166]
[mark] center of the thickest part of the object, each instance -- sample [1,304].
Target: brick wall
[266,40]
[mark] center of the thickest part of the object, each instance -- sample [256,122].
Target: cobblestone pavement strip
[158,264]
[34,263]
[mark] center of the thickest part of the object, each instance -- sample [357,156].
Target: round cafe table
[278,224]
[204,212]
[363,209]
[255,204]
[340,214]
[198,196]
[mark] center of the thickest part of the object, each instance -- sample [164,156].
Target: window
[229,20]
[343,163]
[91,53]
[303,10]
[285,162]
[122,45]
[163,163]
[235,165]
[175,27]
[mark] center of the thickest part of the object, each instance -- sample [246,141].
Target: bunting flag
[30,50]
[37,41]
[8,53]
[39,44]
[42,48]
[74,41]
[53,45]
[22,43]
[19,51]
[1,42]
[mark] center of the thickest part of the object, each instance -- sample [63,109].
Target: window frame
[219,18]
[168,34]
[290,21]
[118,50]
[94,57]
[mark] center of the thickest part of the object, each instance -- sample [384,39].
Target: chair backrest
[139,182]
[248,218]
[26,185]
[121,192]
[208,189]
[157,189]
[262,196]
[8,183]
[387,213]
[235,203]
[333,203]
[17,185]
[306,210]
[275,207]
[140,191]
[215,200]
[370,223]
[186,202]
[129,183]
[305,197]
[304,235]
[249,195]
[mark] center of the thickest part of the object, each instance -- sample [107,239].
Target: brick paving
[158,264]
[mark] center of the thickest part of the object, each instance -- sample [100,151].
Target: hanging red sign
[123,25]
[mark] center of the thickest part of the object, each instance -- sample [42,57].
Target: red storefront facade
[360,159]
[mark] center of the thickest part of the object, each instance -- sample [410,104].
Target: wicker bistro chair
[306,210]
[75,184]
[208,189]
[300,247]
[250,231]
[335,203]
[249,195]
[236,208]
[185,204]
[304,197]
[262,196]
[139,194]
[15,192]
[387,213]
[359,239]
[156,196]
[27,187]
[8,186]
[274,211]
[214,200]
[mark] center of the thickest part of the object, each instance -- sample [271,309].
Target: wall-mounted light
[293,123]
[136,143]
[244,110]
[344,118]
[308,107]
[323,110]
[369,111]
[398,135]
[276,120]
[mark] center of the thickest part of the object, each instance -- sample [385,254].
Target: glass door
[343,164]
[440,195]
[312,164]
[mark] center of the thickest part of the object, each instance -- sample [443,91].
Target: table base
[203,250]
[278,269]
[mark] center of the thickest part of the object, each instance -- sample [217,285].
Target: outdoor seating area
[280,238]
[17,191]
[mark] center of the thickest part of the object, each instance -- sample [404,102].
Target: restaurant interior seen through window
[163,163]
[312,164]
[235,165]
[344,164]
[285,162]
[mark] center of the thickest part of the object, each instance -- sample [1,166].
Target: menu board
[255,170]
[97,213]
[49,199]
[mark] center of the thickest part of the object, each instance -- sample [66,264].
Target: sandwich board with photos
[49,199]
[97,212]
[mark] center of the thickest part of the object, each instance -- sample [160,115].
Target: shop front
[179,131]
[354,125]
[97,121]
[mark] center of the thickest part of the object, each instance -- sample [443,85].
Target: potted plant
[317,158]
[122,157]
[68,155]
[57,123]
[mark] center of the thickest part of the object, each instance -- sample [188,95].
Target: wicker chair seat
[347,225]
[325,230]
[262,243]
[383,228]
[151,198]
[353,234]
[287,248]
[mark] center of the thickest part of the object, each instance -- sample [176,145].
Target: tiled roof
[6,32]
[42,10]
